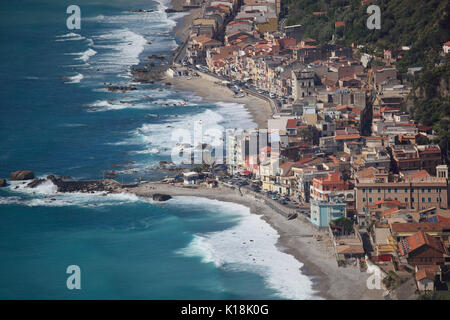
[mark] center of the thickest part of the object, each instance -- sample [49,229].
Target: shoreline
[296,237]
[204,87]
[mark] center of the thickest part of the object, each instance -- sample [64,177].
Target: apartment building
[413,194]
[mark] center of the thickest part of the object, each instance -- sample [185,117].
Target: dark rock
[171,10]
[2,182]
[121,88]
[21,175]
[35,183]
[140,11]
[161,197]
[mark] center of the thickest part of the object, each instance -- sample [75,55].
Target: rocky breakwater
[85,186]
[121,88]
[154,70]
[161,197]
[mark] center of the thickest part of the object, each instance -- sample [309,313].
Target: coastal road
[273,104]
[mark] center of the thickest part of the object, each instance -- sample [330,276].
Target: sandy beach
[204,87]
[297,237]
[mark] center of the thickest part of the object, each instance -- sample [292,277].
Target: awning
[245,173]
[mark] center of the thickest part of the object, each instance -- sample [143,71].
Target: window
[423,199]
[412,199]
[396,199]
[412,189]
[364,190]
[370,200]
[429,199]
[423,190]
[379,199]
[364,199]
[389,190]
[406,190]
[395,190]
[429,190]
[370,190]
[406,199]
[379,190]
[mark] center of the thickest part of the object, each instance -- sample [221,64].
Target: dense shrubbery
[423,25]
[432,101]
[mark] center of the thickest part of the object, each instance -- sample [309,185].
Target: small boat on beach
[292,216]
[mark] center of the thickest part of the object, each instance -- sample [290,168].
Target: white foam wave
[74,79]
[124,46]
[107,105]
[84,56]
[70,37]
[46,194]
[159,135]
[249,246]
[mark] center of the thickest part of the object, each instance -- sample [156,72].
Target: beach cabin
[190,177]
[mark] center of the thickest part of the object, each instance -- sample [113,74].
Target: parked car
[274,197]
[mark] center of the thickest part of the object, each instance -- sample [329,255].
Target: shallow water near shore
[57,118]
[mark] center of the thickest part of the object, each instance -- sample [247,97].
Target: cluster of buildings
[341,139]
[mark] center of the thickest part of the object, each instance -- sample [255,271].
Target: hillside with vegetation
[432,101]
[421,25]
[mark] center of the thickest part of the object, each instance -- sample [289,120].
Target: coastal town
[339,150]
[333,157]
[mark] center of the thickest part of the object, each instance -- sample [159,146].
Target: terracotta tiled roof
[291,124]
[418,240]
[286,165]
[303,161]
[424,274]
[422,226]
[376,138]
[421,174]
[347,137]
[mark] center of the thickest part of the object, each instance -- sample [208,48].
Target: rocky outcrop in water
[140,11]
[86,186]
[21,175]
[161,197]
[35,183]
[2,183]
[121,88]
[171,10]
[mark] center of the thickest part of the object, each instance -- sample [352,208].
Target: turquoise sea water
[56,118]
